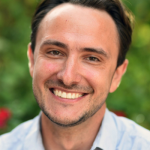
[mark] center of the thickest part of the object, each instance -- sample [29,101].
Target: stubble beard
[67,122]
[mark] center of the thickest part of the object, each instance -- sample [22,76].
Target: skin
[77,54]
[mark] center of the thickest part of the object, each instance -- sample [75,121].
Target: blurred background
[17,103]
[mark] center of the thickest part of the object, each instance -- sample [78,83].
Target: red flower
[119,113]
[4,117]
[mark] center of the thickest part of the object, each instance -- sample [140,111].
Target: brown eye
[92,59]
[55,52]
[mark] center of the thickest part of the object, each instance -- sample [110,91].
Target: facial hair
[67,123]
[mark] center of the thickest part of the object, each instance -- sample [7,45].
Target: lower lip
[65,100]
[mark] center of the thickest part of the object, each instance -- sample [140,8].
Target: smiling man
[76,57]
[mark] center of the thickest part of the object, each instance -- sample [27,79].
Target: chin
[67,120]
[63,121]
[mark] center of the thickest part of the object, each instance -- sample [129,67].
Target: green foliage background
[132,97]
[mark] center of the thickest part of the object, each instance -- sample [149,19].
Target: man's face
[74,63]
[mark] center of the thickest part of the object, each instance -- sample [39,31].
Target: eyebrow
[96,50]
[55,43]
[62,45]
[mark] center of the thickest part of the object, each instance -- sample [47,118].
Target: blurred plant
[119,113]
[5,115]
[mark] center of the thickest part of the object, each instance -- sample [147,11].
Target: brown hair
[113,7]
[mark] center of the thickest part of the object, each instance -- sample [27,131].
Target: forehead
[80,24]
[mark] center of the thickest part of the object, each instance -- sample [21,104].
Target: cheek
[98,78]
[50,67]
[93,75]
[45,69]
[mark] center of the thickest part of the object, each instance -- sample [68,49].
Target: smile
[66,95]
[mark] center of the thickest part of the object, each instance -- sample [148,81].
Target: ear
[118,75]
[31,59]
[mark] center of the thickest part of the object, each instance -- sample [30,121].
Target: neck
[79,137]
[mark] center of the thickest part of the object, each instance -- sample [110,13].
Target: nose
[69,74]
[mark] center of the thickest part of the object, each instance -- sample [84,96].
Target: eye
[93,58]
[55,52]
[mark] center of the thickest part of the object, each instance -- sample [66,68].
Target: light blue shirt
[116,133]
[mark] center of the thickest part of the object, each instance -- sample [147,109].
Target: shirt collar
[33,139]
[107,135]
[105,139]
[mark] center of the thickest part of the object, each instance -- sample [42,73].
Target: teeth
[77,95]
[59,93]
[67,95]
[64,94]
[73,96]
[56,92]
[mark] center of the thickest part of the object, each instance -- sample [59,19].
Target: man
[76,57]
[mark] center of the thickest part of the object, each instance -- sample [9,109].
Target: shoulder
[131,134]
[133,129]
[14,139]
